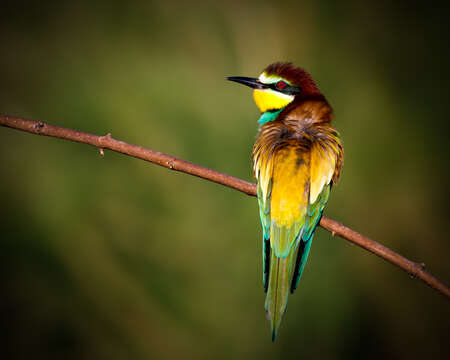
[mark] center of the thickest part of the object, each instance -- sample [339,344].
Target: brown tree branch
[173,163]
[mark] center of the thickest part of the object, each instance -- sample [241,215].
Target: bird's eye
[281,85]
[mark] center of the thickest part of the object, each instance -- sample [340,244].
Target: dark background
[114,258]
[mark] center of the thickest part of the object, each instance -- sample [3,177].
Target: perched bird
[297,157]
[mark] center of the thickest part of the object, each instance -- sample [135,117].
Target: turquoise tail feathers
[302,256]
[313,217]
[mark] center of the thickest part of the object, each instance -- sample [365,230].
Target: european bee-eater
[297,157]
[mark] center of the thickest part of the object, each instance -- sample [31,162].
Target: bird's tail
[280,277]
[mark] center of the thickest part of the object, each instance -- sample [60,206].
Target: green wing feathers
[314,214]
[264,214]
[326,158]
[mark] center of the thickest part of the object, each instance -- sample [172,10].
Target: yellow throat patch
[270,100]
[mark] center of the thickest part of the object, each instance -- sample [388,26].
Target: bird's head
[278,85]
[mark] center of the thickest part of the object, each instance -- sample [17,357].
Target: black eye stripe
[288,89]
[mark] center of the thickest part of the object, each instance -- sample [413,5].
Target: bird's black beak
[253,83]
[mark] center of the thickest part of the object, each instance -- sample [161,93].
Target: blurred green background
[115,258]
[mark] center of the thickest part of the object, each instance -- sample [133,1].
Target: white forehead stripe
[271,79]
[268,79]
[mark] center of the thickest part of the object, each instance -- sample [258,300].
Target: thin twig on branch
[107,142]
